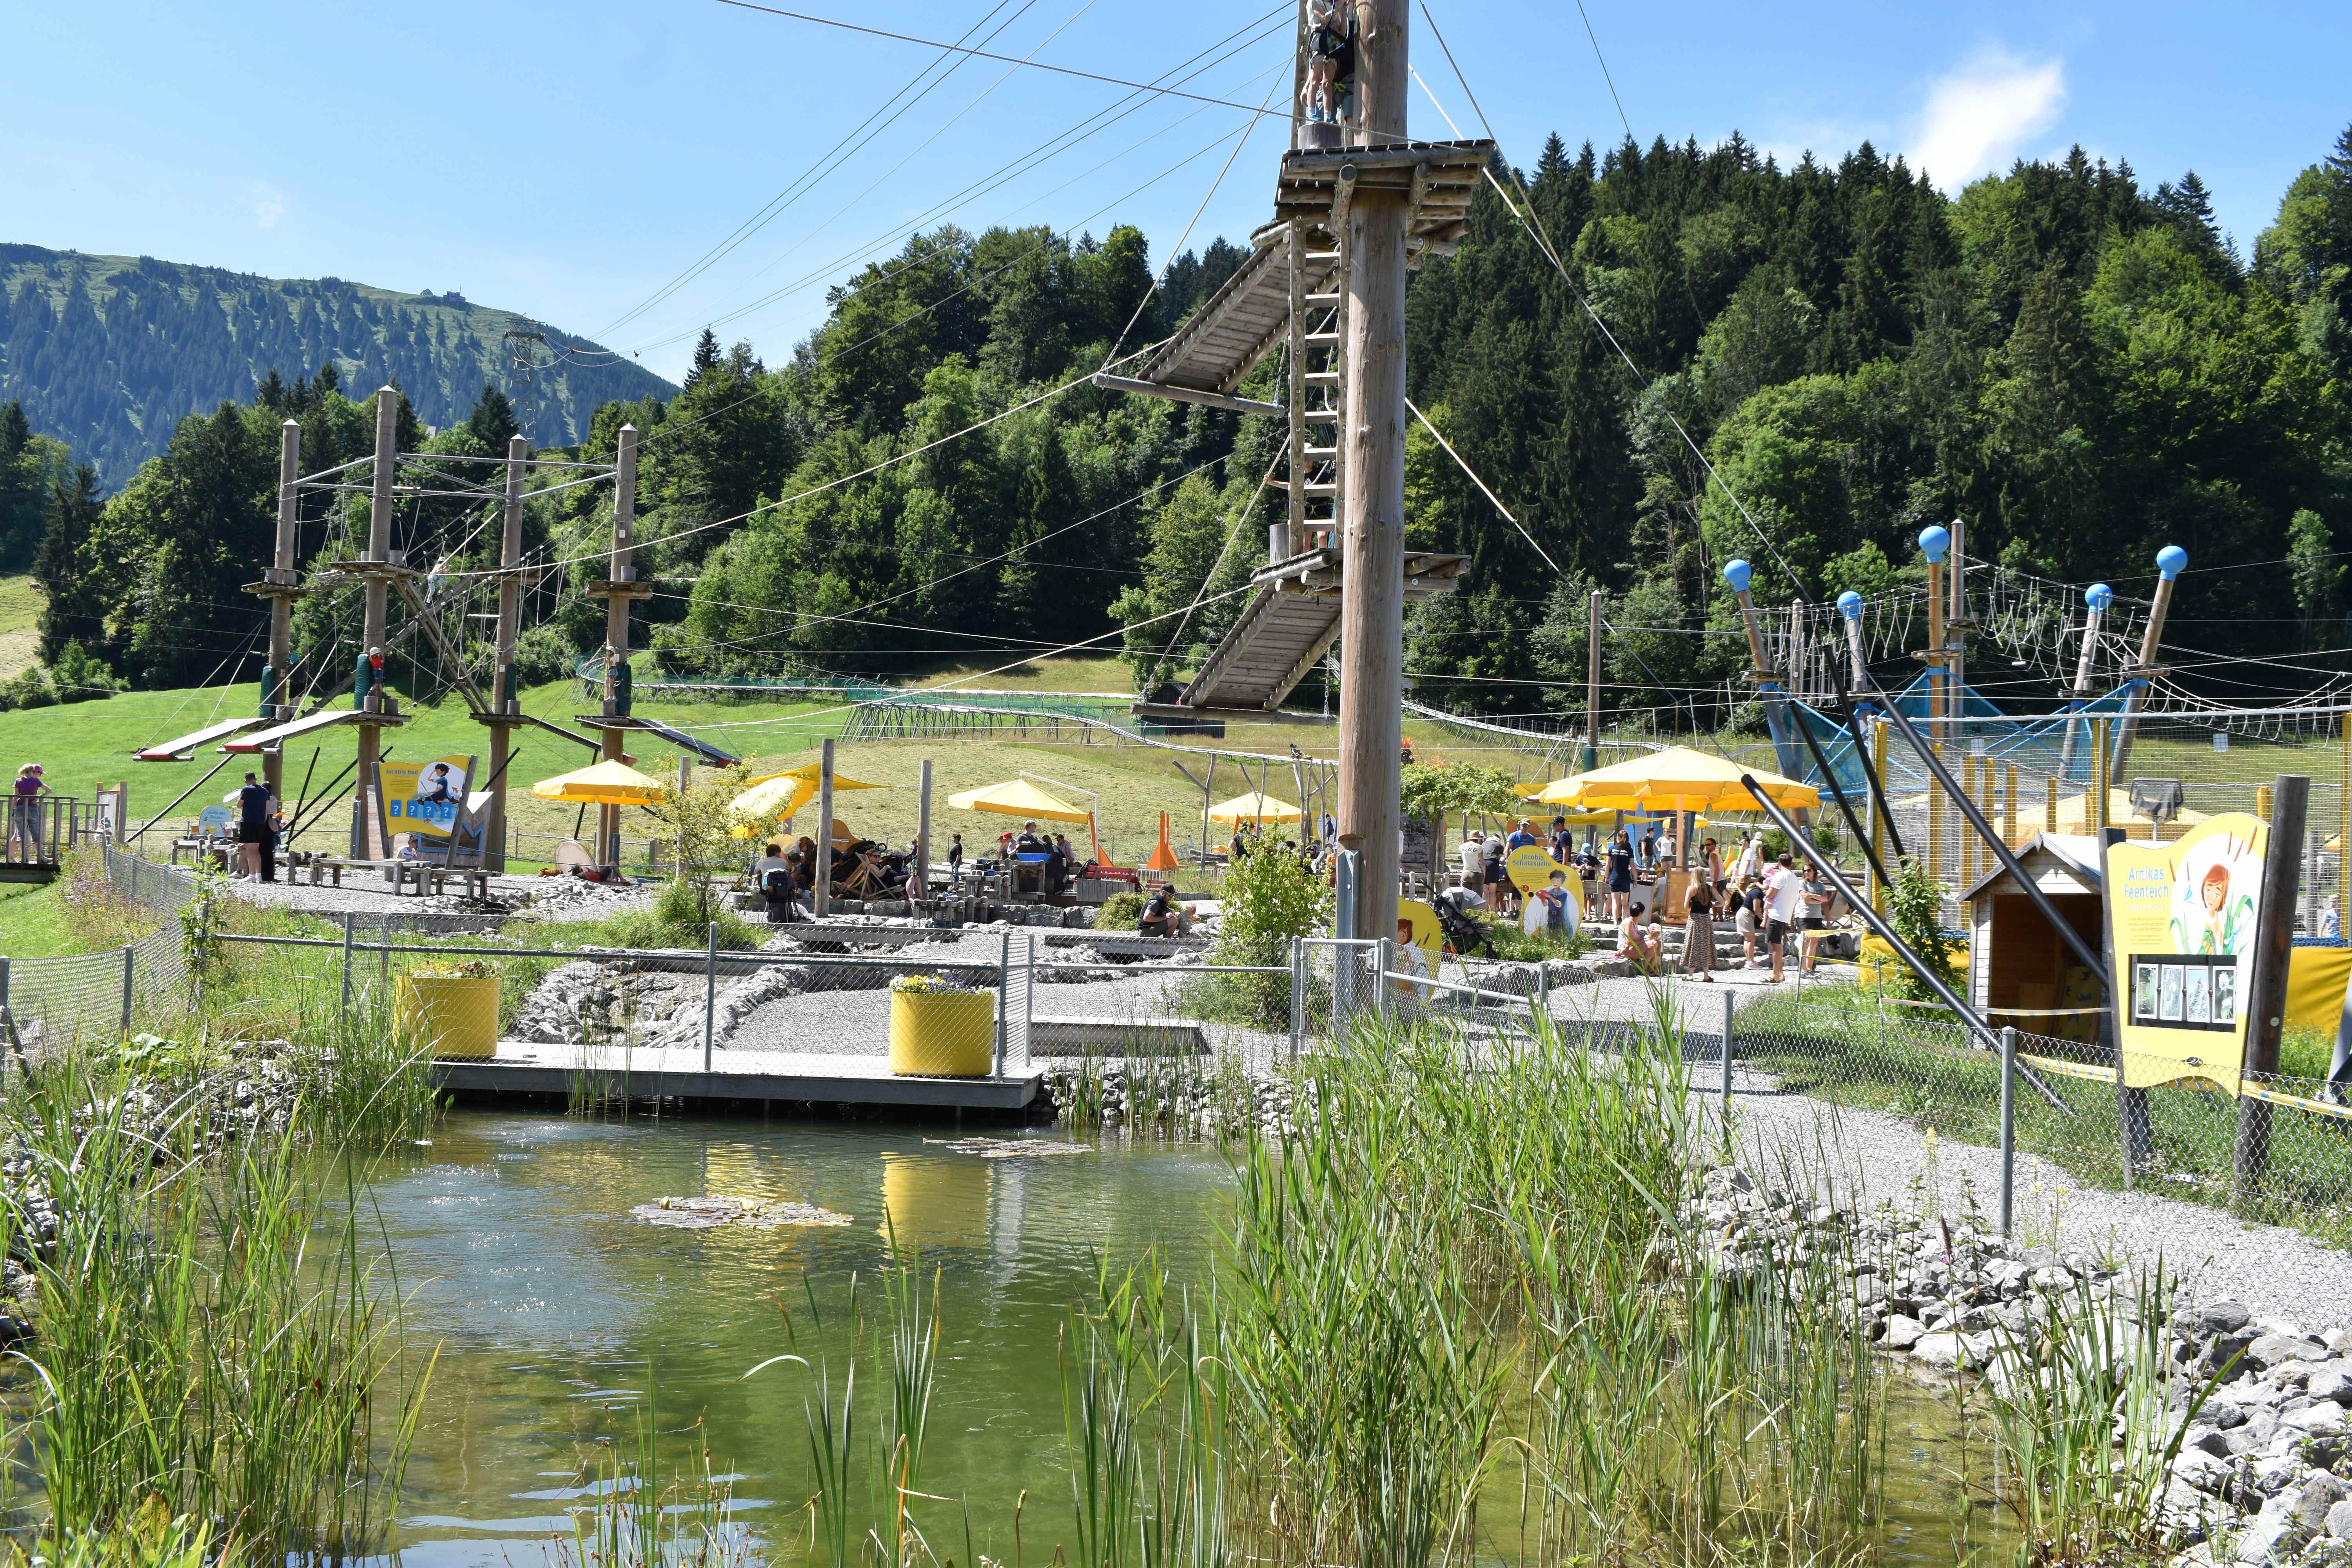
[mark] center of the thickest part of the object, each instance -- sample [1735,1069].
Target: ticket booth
[2020,970]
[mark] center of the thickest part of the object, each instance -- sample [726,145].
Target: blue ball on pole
[2170,562]
[1737,573]
[1935,541]
[2098,595]
[1848,605]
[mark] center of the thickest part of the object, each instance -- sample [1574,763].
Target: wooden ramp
[523,1067]
[326,719]
[186,746]
[1290,623]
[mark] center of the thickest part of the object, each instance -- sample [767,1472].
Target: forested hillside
[109,353]
[2076,363]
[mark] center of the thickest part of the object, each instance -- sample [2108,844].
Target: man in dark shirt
[1159,917]
[252,827]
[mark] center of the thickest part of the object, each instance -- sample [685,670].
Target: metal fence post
[1730,1006]
[1297,993]
[2008,1127]
[711,998]
[347,960]
[1003,998]
[1384,963]
[130,953]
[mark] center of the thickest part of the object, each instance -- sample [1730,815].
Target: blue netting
[2058,744]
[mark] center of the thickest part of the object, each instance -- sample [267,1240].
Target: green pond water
[557,1314]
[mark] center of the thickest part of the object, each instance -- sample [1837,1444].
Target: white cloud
[268,205]
[1977,117]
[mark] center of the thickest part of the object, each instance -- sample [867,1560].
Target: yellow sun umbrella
[783,795]
[1019,797]
[1677,779]
[602,784]
[1255,807]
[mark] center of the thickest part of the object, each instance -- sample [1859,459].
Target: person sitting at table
[1057,866]
[1028,843]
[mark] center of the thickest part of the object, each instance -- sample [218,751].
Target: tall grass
[634,1519]
[1463,1283]
[217,1333]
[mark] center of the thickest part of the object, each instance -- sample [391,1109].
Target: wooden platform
[523,1067]
[1289,623]
[1439,178]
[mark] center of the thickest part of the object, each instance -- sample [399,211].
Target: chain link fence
[2279,1152]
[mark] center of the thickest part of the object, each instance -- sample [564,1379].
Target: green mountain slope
[110,353]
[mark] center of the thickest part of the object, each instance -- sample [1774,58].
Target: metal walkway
[1288,625]
[523,1067]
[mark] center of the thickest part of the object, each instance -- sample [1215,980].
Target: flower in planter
[455,969]
[931,985]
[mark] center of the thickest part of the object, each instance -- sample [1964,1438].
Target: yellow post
[1878,818]
[2009,810]
[2263,802]
[2099,785]
[1936,809]
[2049,802]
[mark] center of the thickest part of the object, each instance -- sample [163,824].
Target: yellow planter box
[942,1034]
[448,1015]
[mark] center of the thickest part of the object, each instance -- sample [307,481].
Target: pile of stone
[1183,1102]
[2261,1405]
[589,999]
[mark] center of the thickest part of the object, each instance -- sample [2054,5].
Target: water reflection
[559,1314]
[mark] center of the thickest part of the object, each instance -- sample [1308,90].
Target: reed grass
[217,1335]
[634,1518]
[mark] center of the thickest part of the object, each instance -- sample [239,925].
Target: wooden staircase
[1292,294]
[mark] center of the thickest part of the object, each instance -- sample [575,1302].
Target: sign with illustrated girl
[425,797]
[2182,919]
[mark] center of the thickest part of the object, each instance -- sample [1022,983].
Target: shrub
[1914,902]
[1120,912]
[1268,900]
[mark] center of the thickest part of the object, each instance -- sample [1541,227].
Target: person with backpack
[772,879]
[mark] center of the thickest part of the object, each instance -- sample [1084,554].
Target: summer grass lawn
[32,924]
[20,638]
[82,745]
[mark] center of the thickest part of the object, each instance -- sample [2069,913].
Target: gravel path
[365,893]
[1873,1157]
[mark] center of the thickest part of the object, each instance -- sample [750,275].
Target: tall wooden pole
[622,568]
[1371,614]
[1955,623]
[505,700]
[2170,562]
[1592,682]
[821,899]
[371,633]
[281,604]
[922,877]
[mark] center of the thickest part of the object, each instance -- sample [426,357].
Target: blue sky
[572,160]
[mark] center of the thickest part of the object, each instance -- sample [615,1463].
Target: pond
[559,1314]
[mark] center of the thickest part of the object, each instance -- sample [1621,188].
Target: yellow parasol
[1255,807]
[1677,779]
[1019,797]
[780,795]
[602,784]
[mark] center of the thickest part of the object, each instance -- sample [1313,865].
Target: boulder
[1902,1333]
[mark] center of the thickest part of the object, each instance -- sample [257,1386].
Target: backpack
[776,883]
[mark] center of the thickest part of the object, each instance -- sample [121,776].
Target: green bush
[1268,900]
[1914,908]
[1119,912]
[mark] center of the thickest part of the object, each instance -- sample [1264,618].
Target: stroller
[1464,932]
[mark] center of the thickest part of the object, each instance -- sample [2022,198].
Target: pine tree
[73,609]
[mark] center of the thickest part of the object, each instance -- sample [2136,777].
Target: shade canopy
[1676,779]
[602,784]
[1256,806]
[783,795]
[1019,797]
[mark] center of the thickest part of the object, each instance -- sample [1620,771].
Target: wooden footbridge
[1291,296]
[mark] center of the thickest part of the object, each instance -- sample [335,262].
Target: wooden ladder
[1317,393]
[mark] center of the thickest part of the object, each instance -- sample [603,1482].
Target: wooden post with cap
[1371,614]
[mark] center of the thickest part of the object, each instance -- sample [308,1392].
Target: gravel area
[1871,1157]
[365,893]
